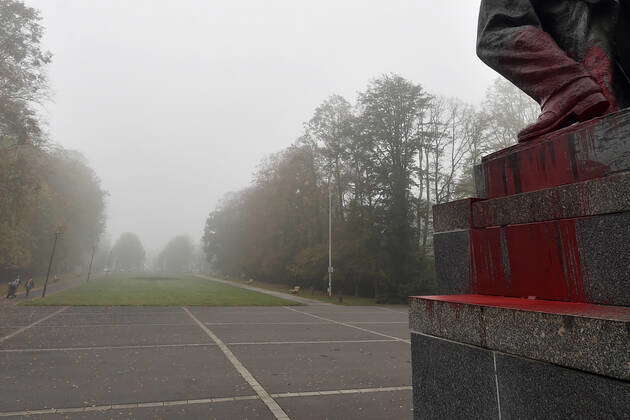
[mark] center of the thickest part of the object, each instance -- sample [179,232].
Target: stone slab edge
[592,344]
[589,198]
[454,215]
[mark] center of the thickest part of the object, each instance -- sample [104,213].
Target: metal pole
[52,255]
[91,261]
[330,268]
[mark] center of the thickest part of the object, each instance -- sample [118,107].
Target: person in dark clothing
[28,285]
[12,289]
[571,56]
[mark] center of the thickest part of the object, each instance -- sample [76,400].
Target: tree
[392,110]
[508,110]
[385,160]
[42,186]
[177,256]
[128,253]
[22,71]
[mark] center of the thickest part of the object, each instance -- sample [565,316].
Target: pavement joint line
[156,404]
[264,323]
[107,407]
[21,330]
[341,392]
[391,310]
[101,325]
[148,346]
[349,325]
[262,393]
[157,346]
[266,343]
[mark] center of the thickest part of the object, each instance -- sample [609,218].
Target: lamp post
[330,267]
[58,234]
[91,261]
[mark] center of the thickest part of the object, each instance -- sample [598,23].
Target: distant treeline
[42,187]
[385,160]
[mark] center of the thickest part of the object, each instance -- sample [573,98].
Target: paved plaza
[305,362]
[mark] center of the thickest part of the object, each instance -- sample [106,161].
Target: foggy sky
[174,102]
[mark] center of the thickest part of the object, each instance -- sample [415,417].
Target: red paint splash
[537,259]
[566,157]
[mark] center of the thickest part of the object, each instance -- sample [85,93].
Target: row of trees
[179,255]
[43,188]
[384,161]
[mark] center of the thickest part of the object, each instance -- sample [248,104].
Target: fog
[175,102]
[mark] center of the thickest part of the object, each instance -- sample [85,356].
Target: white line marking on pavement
[206,323]
[391,310]
[253,343]
[158,346]
[131,406]
[124,406]
[147,346]
[349,325]
[342,392]
[21,330]
[105,325]
[273,406]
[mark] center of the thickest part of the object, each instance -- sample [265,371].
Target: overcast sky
[174,102]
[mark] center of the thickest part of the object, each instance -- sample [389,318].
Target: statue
[571,56]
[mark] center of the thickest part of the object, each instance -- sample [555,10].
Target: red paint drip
[487,262]
[566,157]
[537,259]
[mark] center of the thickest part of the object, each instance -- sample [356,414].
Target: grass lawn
[317,295]
[136,290]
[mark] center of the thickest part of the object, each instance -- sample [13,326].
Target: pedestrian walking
[13,288]
[28,285]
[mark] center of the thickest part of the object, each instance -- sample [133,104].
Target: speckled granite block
[592,338]
[534,390]
[452,381]
[589,198]
[590,150]
[459,381]
[456,215]
[604,246]
[452,257]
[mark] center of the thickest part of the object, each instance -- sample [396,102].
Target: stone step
[580,260]
[453,380]
[590,150]
[591,338]
[595,197]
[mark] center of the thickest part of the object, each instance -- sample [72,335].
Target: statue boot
[580,100]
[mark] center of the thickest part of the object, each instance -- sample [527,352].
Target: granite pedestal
[533,317]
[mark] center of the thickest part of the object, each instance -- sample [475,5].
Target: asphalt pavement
[305,362]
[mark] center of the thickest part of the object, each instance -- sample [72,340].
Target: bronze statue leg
[621,47]
[560,52]
[512,41]
[586,31]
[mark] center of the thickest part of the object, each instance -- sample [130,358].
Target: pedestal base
[477,356]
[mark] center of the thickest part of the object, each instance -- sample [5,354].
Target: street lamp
[91,261]
[58,234]
[330,267]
